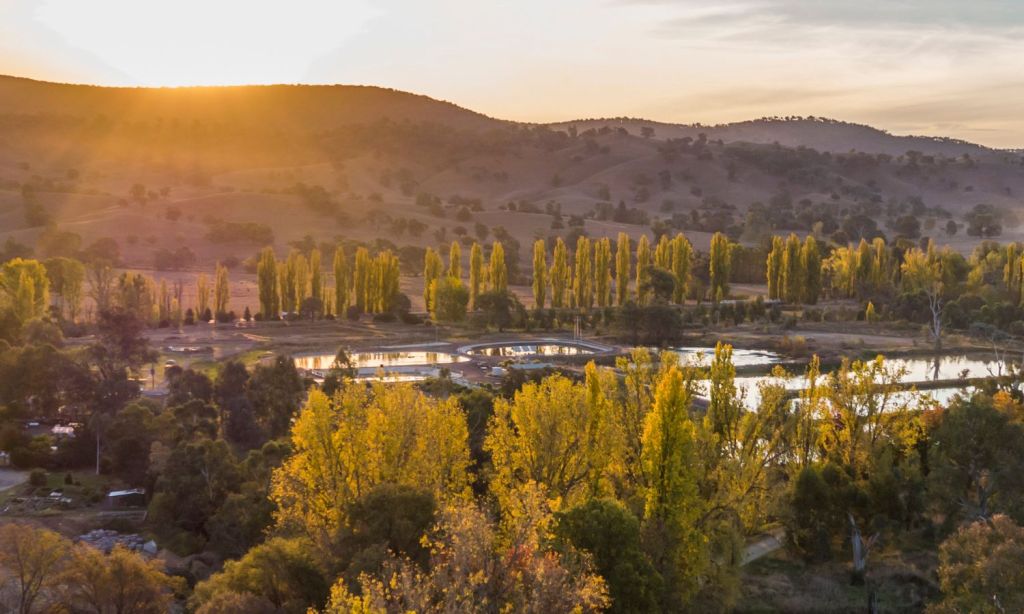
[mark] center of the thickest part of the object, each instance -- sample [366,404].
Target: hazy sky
[942,67]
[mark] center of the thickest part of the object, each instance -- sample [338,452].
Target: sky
[935,67]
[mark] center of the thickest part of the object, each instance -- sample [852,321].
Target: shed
[119,499]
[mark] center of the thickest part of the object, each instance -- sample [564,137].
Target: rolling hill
[215,170]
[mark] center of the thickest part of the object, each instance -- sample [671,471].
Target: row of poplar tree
[592,275]
[297,284]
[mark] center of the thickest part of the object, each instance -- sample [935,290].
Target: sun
[198,42]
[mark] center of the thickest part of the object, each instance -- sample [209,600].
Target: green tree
[540,273]
[774,268]
[559,274]
[455,260]
[498,271]
[221,290]
[583,293]
[610,533]
[316,279]
[266,280]
[390,518]
[810,262]
[26,287]
[342,281]
[623,257]
[362,279]
[923,272]
[682,254]
[672,501]
[196,479]
[720,266]
[663,253]
[448,299]
[793,275]
[275,391]
[432,266]
[476,273]
[281,570]
[643,266]
[603,272]
[979,569]
[66,278]
[977,466]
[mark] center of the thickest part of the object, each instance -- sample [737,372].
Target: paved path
[762,545]
[9,478]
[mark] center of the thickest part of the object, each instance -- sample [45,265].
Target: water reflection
[379,359]
[516,350]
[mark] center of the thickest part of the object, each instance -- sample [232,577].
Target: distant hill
[310,107]
[817,133]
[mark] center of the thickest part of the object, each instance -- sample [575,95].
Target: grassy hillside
[222,170]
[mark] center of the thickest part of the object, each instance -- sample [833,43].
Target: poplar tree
[774,268]
[623,259]
[643,269]
[663,253]
[362,278]
[540,273]
[792,272]
[26,287]
[673,506]
[342,281]
[682,254]
[221,290]
[865,275]
[1012,271]
[316,282]
[300,271]
[582,281]
[432,266]
[385,282]
[266,281]
[202,294]
[559,274]
[720,266]
[810,262]
[603,271]
[476,273]
[883,264]
[455,260]
[498,270]
[164,301]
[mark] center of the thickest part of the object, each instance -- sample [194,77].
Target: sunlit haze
[940,67]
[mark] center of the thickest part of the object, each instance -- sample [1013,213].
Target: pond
[373,360]
[917,369]
[748,386]
[517,350]
[740,357]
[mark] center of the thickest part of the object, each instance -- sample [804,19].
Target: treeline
[668,272]
[297,285]
[445,296]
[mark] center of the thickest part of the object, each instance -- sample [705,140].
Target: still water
[374,360]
